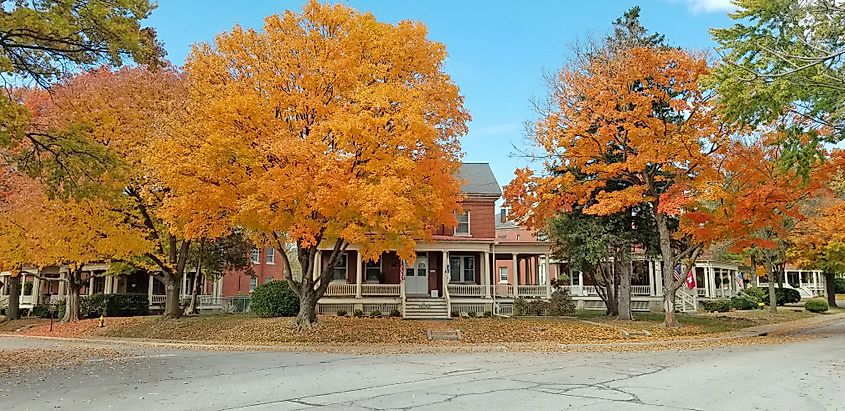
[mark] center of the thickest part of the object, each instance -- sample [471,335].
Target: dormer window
[463,224]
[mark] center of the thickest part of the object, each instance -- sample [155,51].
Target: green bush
[274,299]
[537,307]
[27,288]
[561,303]
[395,313]
[758,293]
[455,314]
[488,314]
[520,306]
[783,296]
[839,285]
[358,314]
[744,302]
[61,308]
[816,305]
[472,314]
[114,305]
[341,313]
[41,311]
[721,305]
[375,314]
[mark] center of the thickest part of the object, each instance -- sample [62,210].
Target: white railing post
[548,276]
[485,269]
[515,275]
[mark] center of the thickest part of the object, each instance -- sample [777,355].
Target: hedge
[816,305]
[783,296]
[114,305]
[274,299]
[722,305]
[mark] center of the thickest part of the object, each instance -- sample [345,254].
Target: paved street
[801,376]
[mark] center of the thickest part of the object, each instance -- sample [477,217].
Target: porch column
[515,275]
[359,275]
[62,284]
[318,262]
[150,288]
[485,274]
[91,283]
[36,290]
[445,271]
[711,283]
[548,266]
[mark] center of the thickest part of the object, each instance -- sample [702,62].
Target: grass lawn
[587,327]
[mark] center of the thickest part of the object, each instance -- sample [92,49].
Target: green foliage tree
[214,258]
[784,55]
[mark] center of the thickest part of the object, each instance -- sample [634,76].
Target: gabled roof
[477,179]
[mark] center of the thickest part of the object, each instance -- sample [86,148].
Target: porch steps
[426,308]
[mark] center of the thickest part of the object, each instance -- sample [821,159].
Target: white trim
[256,255]
[468,223]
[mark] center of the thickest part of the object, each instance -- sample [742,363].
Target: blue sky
[498,50]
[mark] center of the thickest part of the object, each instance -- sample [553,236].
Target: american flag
[678,274]
[740,281]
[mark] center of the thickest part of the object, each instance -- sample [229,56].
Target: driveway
[799,376]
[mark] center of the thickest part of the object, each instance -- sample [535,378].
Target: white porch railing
[589,290]
[340,290]
[701,292]
[466,290]
[502,290]
[640,290]
[531,290]
[380,289]
[157,299]
[27,299]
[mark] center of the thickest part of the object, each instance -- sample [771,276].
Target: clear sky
[498,50]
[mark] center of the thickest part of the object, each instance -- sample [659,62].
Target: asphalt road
[808,375]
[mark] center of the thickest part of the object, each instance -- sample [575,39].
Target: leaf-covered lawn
[248,329]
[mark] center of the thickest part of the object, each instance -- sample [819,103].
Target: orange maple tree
[111,121]
[326,128]
[625,130]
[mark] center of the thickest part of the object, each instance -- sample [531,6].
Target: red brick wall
[237,282]
[482,223]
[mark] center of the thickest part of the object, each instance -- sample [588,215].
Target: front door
[416,276]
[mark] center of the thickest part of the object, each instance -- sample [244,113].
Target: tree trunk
[73,310]
[192,306]
[623,297]
[773,298]
[307,316]
[830,288]
[781,273]
[753,270]
[667,269]
[172,305]
[13,311]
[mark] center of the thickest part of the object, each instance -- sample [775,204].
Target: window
[270,256]
[463,224]
[372,271]
[340,268]
[503,274]
[256,256]
[462,268]
[253,282]
[268,279]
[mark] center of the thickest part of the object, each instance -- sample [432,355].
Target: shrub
[274,299]
[783,296]
[375,314]
[341,313]
[561,303]
[114,305]
[839,285]
[41,311]
[395,313]
[816,305]
[472,314]
[743,302]
[60,309]
[537,307]
[27,288]
[721,305]
[520,306]
[358,313]
[455,314]
[758,293]
[488,314]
